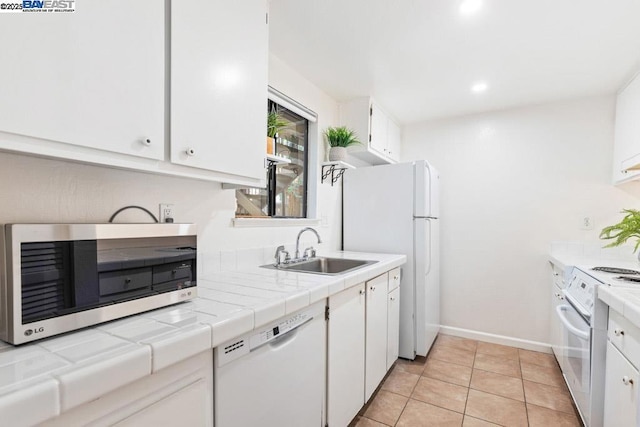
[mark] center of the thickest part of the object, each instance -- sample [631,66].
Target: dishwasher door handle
[560,309]
[281,341]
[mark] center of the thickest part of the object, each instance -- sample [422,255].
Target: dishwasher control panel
[280,329]
[234,349]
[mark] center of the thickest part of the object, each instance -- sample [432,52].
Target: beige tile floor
[472,383]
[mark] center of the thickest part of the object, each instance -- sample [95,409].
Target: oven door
[576,334]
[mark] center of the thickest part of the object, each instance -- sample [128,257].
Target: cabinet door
[394,141]
[627,131]
[555,326]
[376,334]
[621,390]
[345,355]
[179,395]
[378,129]
[219,85]
[187,407]
[93,78]
[393,326]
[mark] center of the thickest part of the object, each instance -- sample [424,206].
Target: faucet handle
[312,252]
[280,250]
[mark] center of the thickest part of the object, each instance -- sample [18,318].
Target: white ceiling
[419,58]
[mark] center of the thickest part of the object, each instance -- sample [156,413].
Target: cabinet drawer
[125,280]
[394,278]
[625,336]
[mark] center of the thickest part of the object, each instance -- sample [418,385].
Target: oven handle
[571,300]
[575,331]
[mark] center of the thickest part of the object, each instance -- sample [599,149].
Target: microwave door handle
[575,331]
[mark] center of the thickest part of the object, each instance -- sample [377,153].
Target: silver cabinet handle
[146,141]
[191,152]
[396,277]
[618,332]
[373,288]
[361,291]
[627,381]
[392,299]
[559,296]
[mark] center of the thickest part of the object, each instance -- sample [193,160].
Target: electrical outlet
[586,222]
[166,212]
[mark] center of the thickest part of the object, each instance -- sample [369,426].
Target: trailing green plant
[340,136]
[624,230]
[275,123]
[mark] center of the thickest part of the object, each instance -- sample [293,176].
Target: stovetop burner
[616,270]
[629,279]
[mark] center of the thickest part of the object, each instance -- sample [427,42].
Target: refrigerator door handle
[428,269]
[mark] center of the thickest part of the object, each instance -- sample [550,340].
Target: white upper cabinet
[379,134]
[626,153]
[219,62]
[93,78]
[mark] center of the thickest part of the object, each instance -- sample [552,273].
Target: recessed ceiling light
[479,87]
[469,7]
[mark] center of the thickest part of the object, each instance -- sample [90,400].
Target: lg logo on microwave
[30,332]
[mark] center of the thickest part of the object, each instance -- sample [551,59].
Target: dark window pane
[286,193]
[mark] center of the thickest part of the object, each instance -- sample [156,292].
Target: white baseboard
[496,339]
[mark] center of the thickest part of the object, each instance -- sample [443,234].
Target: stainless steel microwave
[56,278]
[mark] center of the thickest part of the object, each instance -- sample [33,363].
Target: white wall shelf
[335,170]
[273,160]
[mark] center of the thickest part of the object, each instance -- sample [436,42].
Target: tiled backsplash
[246,258]
[594,249]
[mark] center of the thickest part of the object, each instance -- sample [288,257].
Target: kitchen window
[286,193]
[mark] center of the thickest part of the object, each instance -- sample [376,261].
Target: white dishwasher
[275,375]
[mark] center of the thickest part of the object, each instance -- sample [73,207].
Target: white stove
[584,320]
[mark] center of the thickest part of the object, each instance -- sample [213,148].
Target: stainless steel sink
[321,265]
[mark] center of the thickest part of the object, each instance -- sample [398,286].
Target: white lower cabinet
[360,346]
[393,326]
[621,390]
[180,395]
[345,355]
[622,380]
[375,334]
[170,410]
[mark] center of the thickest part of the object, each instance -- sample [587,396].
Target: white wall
[512,182]
[41,190]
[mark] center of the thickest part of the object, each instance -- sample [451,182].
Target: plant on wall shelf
[275,123]
[339,138]
[626,229]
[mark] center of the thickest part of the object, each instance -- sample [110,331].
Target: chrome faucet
[298,242]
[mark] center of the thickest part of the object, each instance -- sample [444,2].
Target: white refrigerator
[395,209]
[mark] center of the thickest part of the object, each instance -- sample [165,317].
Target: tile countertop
[626,301]
[45,378]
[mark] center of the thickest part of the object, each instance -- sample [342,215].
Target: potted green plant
[626,229]
[339,138]
[275,123]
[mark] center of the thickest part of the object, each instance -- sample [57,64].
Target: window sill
[273,222]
